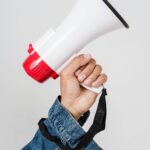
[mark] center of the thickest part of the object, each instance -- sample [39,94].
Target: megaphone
[88,20]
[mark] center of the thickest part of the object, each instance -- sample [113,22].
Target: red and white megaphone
[88,20]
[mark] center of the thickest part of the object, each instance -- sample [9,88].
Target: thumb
[77,62]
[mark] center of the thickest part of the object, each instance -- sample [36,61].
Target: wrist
[75,114]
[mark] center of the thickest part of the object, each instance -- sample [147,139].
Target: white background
[124,55]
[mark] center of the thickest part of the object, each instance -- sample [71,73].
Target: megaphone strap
[97,126]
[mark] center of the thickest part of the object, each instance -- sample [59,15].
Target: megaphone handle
[95,90]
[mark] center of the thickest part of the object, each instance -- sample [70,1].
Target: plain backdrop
[124,55]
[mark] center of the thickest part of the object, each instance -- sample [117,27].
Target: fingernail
[88,81]
[87,55]
[82,77]
[95,84]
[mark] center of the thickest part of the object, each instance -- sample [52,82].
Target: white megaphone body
[88,20]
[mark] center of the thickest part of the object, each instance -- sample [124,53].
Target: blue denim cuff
[66,128]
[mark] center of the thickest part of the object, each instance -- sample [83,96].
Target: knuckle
[99,67]
[95,74]
[87,70]
[93,61]
[104,76]
[97,70]
[78,58]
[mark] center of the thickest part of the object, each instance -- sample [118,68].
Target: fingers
[87,70]
[76,63]
[100,80]
[93,77]
[79,70]
[95,74]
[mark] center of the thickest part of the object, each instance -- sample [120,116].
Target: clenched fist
[76,99]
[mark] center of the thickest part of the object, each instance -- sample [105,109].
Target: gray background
[124,55]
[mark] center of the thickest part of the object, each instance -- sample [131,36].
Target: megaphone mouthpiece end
[37,68]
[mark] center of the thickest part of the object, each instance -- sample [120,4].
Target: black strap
[83,118]
[97,126]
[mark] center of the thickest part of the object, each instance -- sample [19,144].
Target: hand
[76,99]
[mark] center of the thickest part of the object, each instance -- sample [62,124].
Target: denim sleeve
[61,124]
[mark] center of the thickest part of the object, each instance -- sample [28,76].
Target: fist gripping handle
[40,71]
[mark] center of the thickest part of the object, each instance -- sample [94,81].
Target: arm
[65,114]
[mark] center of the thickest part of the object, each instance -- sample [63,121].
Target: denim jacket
[60,123]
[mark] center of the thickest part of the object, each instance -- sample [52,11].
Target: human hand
[75,98]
